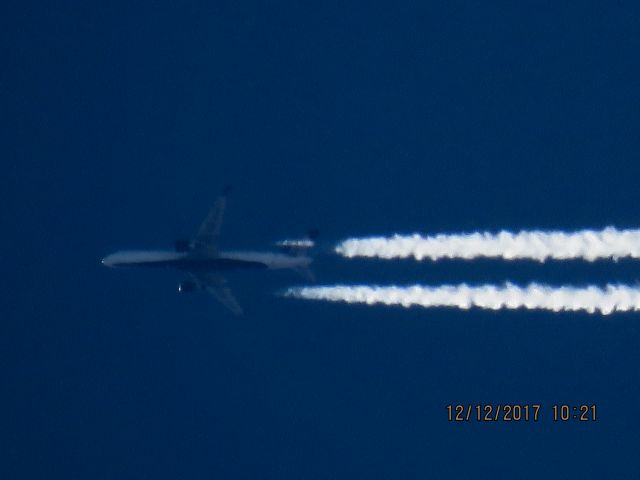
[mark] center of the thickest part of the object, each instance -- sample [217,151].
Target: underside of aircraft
[205,263]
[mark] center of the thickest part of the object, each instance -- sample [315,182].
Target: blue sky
[121,123]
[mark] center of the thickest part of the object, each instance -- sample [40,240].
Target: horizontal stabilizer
[298,246]
[306,273]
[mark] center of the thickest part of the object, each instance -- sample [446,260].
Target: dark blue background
[121,122]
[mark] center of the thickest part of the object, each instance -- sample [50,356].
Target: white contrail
[591,299]
[537,245]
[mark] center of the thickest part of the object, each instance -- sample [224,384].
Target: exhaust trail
[591,299]
[533,245]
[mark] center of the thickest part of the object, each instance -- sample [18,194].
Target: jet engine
[182,246]
[187,286]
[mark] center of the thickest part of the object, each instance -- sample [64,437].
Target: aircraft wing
[209,232]
[217,286]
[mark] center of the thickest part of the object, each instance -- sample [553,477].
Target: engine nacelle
[182,245]
[187,286]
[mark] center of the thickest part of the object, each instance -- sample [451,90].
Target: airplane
[205,263]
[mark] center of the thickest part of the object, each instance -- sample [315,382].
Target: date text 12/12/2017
[520,412]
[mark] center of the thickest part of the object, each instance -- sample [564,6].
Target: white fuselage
[198,261]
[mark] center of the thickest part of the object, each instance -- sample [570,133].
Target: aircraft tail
[300,246]
[306,273]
